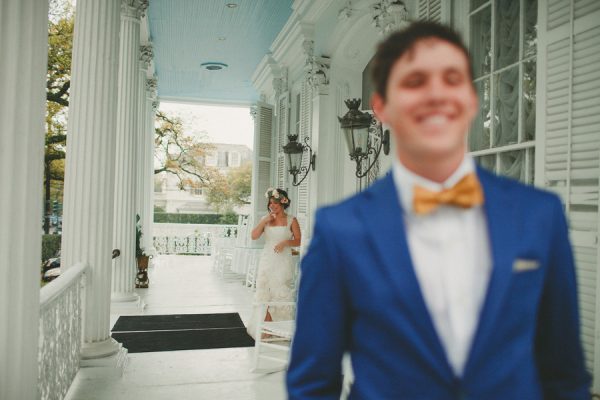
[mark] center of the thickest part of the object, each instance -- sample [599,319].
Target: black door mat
[136,323]
[194,339]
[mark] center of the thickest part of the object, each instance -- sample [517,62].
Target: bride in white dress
[274,281]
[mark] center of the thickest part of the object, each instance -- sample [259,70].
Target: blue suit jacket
[359,293]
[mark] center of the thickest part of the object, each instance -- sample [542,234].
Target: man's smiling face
[430,101]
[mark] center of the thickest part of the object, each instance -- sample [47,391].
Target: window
[368,87]
[503,39]
[234,159]
[222,159]
[211,160]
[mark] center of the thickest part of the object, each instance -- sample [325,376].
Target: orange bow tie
[466,193]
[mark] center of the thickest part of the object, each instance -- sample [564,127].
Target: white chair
[252,270]
[273,338]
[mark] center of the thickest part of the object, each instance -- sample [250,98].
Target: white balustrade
[194,239]
[60,332]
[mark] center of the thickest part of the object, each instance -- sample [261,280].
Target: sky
[218,124]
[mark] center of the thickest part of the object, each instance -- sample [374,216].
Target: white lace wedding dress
[275,276]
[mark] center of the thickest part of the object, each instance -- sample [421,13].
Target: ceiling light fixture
[214,66]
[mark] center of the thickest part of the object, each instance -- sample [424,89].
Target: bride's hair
[279,196]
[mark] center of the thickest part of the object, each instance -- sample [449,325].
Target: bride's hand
[279,247]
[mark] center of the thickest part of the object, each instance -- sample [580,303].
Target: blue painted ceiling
[187,33]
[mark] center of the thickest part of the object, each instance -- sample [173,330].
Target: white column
[124,266]
[89,174]
[23,45]
[141,141]
[148,143]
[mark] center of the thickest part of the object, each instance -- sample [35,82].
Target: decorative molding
[155,105]
[317,73]
[309,47]
[152,86]
[253,112]
[146,55]
[346,12]
[134,8]
[280,83]
[389,15]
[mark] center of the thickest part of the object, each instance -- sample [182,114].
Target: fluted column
[89,174]
[148,204]
[124,266]
[23,45]
[142,138]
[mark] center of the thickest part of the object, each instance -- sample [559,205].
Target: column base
[111,365]
[126,305]
[98,350]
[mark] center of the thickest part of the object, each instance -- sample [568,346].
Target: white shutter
[303,208]
[434,10]
[261,179]
[283,127]
[571,165]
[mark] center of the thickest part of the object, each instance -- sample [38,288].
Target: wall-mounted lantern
[364,137]
[294,151]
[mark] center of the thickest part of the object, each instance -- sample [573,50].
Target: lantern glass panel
[349,140]
[295,160]
[361,139]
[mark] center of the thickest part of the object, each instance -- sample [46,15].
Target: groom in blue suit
[441,280]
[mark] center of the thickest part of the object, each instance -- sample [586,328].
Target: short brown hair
[398,43]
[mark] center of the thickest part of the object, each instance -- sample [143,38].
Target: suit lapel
[382,216]
[502,229]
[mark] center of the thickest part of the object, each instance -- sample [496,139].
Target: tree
[226,191]
[181,155]
[58,81]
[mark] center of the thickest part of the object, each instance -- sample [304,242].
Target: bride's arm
[260,227]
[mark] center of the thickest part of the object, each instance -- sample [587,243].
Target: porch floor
[186,285]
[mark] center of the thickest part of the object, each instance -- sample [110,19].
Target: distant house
[170,197]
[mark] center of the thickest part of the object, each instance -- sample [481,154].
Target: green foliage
[209,219]
[179,154]
[225,191]
[58,81]
[50,246]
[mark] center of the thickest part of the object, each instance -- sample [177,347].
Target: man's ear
[378,105]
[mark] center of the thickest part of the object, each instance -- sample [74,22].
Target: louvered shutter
[571,147]
[283,127]
[434,10]
[303,207]
[261,176]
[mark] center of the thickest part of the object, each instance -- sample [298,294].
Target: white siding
[261,179]
[571,167]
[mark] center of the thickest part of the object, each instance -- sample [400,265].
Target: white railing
[194,239]
[60,332]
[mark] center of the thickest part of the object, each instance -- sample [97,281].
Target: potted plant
[141,280]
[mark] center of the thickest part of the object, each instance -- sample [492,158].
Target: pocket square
[521,265]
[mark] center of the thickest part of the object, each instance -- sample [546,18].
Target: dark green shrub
[50,246]
[210,219]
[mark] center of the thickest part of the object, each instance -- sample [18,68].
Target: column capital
[389,15]
[317,73]
[134,8]
[146,55]
[151,87]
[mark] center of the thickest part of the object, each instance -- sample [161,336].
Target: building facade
[537,76]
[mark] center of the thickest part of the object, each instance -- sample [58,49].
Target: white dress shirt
[451,256]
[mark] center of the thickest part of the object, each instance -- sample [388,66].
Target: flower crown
[274,193]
